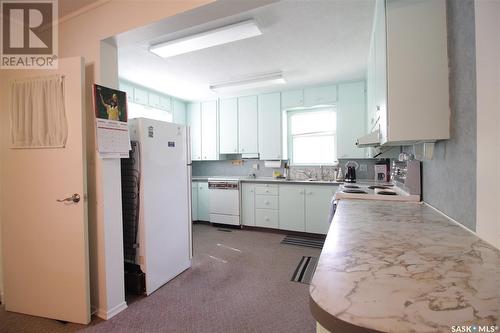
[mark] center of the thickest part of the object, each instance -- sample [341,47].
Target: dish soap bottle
[339,176]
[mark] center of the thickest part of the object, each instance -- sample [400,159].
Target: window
[142,111]
[312,136]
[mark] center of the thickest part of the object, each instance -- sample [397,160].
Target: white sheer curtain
[37,114]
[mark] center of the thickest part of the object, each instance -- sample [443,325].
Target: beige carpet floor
[239,282]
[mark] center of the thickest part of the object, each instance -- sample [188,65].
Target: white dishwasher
[224,206]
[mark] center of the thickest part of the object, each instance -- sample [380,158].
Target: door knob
[74,198]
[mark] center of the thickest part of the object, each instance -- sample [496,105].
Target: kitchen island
[403,267]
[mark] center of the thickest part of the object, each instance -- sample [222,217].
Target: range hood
[369,140]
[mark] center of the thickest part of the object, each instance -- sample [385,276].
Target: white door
[203,202]
[292,207]
[45,242]
[228,126]
[248,204]
[209,130]
[318,203]
[247,125]
[269,128]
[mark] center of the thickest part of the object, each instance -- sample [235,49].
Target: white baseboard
[112,312]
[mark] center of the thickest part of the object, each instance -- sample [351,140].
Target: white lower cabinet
[248,204]
[318,202]
[266,206]
[266,218]
[194,201]
[303,208]
[292,208]
[203,202]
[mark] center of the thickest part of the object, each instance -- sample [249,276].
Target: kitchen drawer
[266,201]
[266,190]
[267,218]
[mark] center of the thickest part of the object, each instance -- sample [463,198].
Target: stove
[377,191]
[385,187]
[348,190]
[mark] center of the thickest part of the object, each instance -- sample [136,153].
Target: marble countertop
[403,267]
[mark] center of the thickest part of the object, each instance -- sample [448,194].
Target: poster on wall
[110,108]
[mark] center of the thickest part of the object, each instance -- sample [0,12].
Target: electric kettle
[350,176]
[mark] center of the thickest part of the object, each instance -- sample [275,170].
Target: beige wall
[81,36]
[487,14]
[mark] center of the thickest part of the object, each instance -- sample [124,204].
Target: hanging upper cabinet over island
[407,76]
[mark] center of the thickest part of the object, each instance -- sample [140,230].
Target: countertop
[403,267]
[282,181]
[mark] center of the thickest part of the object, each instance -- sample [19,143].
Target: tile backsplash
[365,169]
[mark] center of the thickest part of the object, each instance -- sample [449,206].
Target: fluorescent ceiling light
[219,36]
[263,80]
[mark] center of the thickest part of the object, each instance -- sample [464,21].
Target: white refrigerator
[164,228]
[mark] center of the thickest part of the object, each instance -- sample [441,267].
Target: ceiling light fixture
[263,80]
[219,36]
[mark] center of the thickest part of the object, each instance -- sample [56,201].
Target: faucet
[306,173]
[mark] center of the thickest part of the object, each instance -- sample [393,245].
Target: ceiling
[310,41]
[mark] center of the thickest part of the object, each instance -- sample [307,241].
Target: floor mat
[305,270]
[304,241]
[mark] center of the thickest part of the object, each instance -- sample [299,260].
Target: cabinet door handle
[267,218]
[267,202]
[310,193]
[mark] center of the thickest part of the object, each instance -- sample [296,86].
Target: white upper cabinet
[141,96]
[228,126]
[194,121]
[165,103]
[178,112]
[351,108]
[320,95]
[128,89]
[247,125]
[380,79]
[154,100]
[270,133]
[159,101]
[408,85]
[209,130]
[292,99]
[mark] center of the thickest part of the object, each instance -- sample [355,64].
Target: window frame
[290,136]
